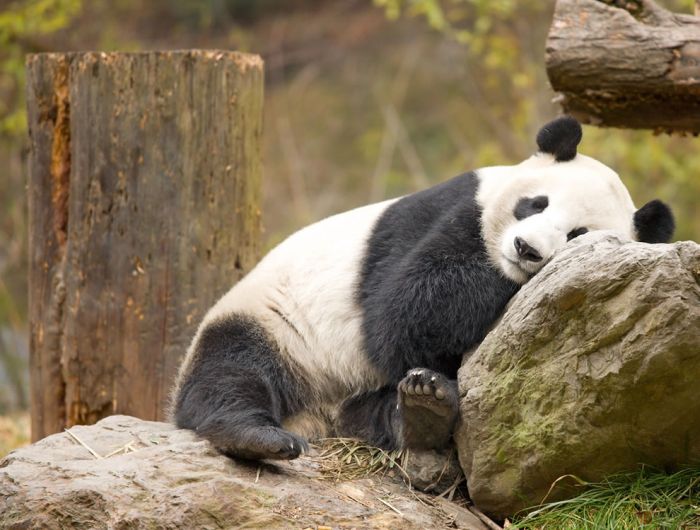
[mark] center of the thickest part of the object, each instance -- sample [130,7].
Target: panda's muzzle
[525,251]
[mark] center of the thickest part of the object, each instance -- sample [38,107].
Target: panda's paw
[431,390]
[279,444]
[269,442]
[283,444]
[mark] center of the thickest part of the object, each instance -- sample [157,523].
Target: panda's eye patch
[576,232]
[528,206]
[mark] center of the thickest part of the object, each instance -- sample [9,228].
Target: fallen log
[626,63]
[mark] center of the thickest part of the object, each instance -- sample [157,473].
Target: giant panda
[357,324]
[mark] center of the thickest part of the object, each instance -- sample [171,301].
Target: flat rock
[593,369]
[152,475]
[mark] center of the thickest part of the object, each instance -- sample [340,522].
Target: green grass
[642,500]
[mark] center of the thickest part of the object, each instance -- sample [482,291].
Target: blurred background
[364,100]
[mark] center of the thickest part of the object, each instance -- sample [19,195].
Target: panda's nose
[525,251]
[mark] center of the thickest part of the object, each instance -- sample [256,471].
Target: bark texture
[626,63]
[593,369]
[144,207]
[161,477]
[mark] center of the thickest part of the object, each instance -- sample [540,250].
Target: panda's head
[533,209]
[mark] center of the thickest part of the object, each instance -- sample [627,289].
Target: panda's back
[303,292]
[310,292]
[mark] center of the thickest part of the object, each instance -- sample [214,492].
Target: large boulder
[125,473]
[593,369]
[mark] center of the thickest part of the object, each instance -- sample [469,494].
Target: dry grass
[347,459]
[342,459]
[14,432]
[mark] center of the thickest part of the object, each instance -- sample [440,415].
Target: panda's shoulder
[441,220]
[415,214]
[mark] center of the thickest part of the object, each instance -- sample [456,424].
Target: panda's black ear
[654,223]
[560,138]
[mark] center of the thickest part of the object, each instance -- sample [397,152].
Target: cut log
[144,189]
[626,63]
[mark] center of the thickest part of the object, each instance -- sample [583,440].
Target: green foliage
[356,109]
[471,22]
[646,499]
[505,43]
[20,25]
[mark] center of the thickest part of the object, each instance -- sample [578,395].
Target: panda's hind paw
[427,409]
[428,389]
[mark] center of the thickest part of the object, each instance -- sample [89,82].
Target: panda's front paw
[428,389]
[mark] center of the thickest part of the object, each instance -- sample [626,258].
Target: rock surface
[593,369]
[161,477]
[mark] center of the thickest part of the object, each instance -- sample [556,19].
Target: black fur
[576,232]
[428,294]
[427,289]
[654,222]
[560,138]
[371,416]
[239,391]
[528,206]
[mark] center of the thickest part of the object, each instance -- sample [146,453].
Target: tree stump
[626,63]
[144,188]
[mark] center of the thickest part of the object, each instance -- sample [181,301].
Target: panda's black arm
[436,304]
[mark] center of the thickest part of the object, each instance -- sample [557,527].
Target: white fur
[582,193]
[310,279]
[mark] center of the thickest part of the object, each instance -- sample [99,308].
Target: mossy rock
[593,369]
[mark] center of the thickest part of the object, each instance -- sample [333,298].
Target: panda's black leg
[237,391]
[420,414]
[372,417]
[243,425]
[428,406]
